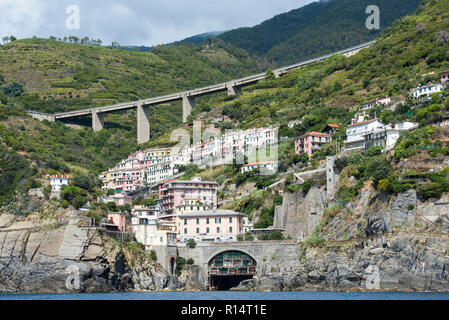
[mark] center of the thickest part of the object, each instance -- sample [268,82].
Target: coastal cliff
[374,243]
[50,253]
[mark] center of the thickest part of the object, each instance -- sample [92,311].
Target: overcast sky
[136,22]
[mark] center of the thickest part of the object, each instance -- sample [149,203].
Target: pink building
[174,193]
[121,199]
[311,142]
[445,76]
[121,220]
[214,225]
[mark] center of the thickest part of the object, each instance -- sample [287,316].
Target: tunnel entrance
[228,269]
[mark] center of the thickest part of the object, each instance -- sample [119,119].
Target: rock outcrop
[300,214]
[192,278]
[43,255]
[393,263]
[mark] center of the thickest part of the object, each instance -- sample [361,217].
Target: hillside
[412,52]
[51,76]
[58,76]
[316,29]
[199,38]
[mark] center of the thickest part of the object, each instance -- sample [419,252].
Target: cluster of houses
[363,132]
[184,210]
[187,210]
[361,135]
[152,166]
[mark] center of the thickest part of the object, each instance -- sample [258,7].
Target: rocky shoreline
[40,255]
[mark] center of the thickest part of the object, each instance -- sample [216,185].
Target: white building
[427,90]
[152,233]
[383,101]
[370,105]
[265,168]
[387,136]
[141,214]
[356,133]
[161,171]
[247,225]
[57,181]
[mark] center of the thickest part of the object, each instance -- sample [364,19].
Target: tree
[83,182]
[153,255]
[13,89]
[248,236]
[12,38]
[148,202]
[270,75]
[379,169]
[79,201]
[5,39]
[276,235]
[191,243]
[112,206]
[303,158]
[74,195]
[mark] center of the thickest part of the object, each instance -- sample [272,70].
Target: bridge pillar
[234,90]
[143,123]
[97,121]
[188,103]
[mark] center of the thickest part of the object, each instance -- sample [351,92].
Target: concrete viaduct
[187,97]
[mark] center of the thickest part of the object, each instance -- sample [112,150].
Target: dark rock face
[192,278]
[404,264]
[61,278]
[34,259]
[376,225]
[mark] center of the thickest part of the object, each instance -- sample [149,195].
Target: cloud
[136,22]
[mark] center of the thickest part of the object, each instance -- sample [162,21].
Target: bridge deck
[205,90]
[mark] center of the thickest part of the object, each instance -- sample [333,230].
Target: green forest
[316,29]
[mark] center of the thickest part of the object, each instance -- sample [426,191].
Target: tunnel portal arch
[228,268]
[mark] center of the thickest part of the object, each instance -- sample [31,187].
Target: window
[218,229]
[230,220]
[197,221]
[207,220]
[207,230]
[197,230]
[185,222]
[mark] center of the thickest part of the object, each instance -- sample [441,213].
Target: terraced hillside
[59,76]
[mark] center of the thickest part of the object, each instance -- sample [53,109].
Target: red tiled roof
[363,122]
[57,176]
[314,133]
[334,125]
